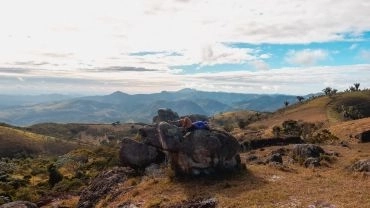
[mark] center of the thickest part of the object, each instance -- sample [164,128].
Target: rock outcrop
[304,151]
[308,154]
[102,185]
[165,114]
[196,152]
[136,154]
[19,204]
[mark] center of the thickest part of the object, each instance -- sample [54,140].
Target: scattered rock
[198,203]
[251,158]
[344,144]
[19,204]
[321,204]
[304,151]
[312,162]
[275,158]
[102,185]
[127,205]
[165,114]
[361,166]
[136,154]
[282,151]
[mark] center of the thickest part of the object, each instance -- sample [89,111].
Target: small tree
[357,86]
[300,98]
[327,90]
[352,88]
[286,103]
[333,91]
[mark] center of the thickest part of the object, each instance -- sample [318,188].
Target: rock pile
[196,152]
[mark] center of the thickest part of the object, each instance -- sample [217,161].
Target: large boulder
[136,154]
[364,136]
[165,114]
[19,204]
[200,151]
[102,185]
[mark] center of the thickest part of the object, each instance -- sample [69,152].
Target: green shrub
[54,175]
[26,194]
[74,185]
[323,136]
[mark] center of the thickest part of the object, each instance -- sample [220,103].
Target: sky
[144,46]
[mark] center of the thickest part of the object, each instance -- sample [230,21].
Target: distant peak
[187,90]
[118,93]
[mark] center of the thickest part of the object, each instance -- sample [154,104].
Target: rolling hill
[327,110]
[17,142]
[123,107]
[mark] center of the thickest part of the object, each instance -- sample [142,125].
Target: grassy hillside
[259,186]
[87,133]
[18,143]
[326,110]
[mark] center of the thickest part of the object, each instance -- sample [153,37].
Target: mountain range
[123,107]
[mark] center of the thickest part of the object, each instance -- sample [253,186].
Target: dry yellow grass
[348,130]
[310,111]
[260,185]
[8,132]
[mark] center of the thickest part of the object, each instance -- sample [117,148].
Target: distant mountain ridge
[124,107]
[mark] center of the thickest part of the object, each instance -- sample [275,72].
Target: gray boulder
[303,151]
[199,151]
[136,154]
[165,114]
[312,162]
[195,152]
[364,136]
[275,158]
[19,204]
[361,166]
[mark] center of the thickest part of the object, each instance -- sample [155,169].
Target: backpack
[200,125]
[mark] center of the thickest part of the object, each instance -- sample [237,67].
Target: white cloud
[306,57]
[365,55]
[59,38]
[95,30]
[259,65]
[285,80]
[220,54]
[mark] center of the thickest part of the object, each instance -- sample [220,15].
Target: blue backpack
[200,125]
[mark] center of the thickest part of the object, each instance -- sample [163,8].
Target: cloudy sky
[143,46]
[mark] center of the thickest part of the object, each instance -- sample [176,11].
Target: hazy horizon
[140,47]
